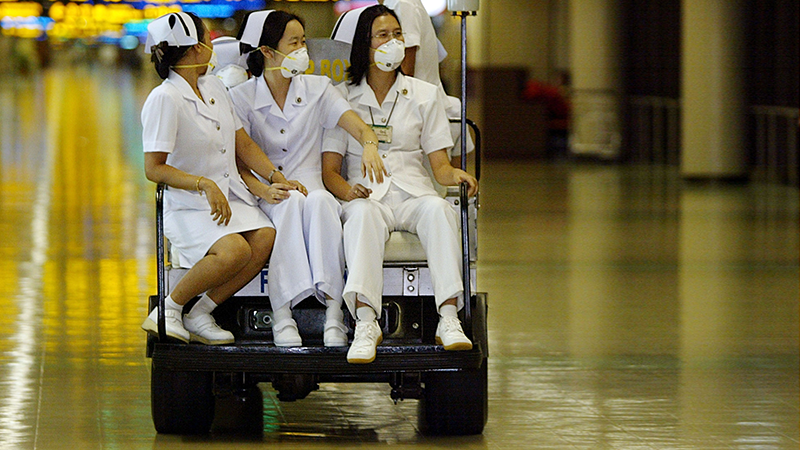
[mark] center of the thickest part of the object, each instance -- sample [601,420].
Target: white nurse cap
[177,29]
[345,28]
[227,49]
[253,27]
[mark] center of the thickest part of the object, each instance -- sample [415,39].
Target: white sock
[334,311]
[203,306]
[366,314]
[281,314]
[169,303]
[448,311]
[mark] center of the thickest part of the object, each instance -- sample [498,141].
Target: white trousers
[308,257]
[367,224]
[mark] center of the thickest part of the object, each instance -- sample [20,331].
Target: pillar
[712,89]
[595,56]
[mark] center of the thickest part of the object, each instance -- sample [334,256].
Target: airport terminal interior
[629,306]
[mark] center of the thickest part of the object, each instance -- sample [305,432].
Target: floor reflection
[628,309]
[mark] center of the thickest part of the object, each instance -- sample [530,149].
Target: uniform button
[280,167]
[382,121]
[405,91]
[217,127]
[212,101]
[383,156]
[283,131]
[224,150]
[390,174]
[226,174]
[285,150]
[299,100]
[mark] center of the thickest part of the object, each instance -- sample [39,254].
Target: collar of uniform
[263,97]
[188,93]
[391,4]
[366,96]
[182,85]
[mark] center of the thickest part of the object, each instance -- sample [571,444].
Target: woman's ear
[266,52]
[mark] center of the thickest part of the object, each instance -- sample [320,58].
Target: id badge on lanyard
[384,133]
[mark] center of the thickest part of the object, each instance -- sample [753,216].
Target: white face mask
[213,62]
[232,75]
[294,63]
[389,55]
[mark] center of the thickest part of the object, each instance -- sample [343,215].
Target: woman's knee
[261,242]
[321,199]
[232,251]
[436,208]
[361,209]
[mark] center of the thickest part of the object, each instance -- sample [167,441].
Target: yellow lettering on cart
[325,67]
[338,70]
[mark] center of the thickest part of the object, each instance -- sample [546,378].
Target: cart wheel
[181,402]
[455,403]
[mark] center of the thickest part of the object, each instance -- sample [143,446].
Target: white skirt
[192,232]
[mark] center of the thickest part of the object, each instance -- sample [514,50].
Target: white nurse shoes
[367,337]
[285,334]
[173,323]
[451,336]
[204,328]
[335,334]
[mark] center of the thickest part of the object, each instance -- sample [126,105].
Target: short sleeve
[159,122]
[240,108]
[436,127]
[410,22]
[334,140]
[237,122]
[333,106]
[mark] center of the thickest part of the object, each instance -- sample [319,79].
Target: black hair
[271,34]
[165,56]
[362,38]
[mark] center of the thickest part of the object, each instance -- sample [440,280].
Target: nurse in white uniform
[285,112]
[192,138]
[411,124]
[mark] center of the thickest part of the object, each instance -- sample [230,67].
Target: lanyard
[390,112]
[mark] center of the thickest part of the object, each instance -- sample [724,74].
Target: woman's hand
[297,185]
[357,191]
[277,192]
[463,177]
[372,164]
[220,209]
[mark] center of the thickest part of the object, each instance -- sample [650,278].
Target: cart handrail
[160,269]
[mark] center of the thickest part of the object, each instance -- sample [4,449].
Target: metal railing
[775,146]
[655,133]
[654,136]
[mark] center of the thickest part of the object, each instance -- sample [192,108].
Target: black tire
[455,403]
[181,402]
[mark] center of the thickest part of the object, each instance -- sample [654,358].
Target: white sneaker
[367,337]
[450,334]
[173,322]
[335,334]
[204,328]
[285,334]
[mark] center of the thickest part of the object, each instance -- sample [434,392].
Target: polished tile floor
[627,309]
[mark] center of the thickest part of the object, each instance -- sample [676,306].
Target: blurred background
[639,231]
[710,87]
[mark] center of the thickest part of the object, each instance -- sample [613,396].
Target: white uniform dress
[200,138]
[406,200]
[308,258]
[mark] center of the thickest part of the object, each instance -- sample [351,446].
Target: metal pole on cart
[464,8]
[160,276]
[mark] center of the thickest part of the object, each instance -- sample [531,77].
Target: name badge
[384,133]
